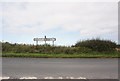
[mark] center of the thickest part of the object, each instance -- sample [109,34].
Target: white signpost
[44,39]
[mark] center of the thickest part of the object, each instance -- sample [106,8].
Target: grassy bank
[36,55]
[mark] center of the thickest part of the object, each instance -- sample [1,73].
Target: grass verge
[36,55]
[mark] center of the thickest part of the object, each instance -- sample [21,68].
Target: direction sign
[44,39]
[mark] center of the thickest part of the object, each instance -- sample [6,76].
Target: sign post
[44,39]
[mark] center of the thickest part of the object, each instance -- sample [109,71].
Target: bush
[97,45]
[88,46]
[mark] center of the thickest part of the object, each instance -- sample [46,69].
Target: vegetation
[87,48]
[36,55]
[19,48]
[98,45]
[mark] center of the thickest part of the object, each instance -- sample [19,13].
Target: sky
[68,22]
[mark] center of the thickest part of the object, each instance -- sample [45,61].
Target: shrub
[88,46]
[97,45]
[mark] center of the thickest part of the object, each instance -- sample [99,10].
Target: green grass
[37,55]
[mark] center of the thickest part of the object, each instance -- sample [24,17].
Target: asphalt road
[60,68]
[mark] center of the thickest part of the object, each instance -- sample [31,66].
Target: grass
[37,55]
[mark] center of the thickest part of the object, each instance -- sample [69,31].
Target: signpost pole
[45,41]
[36,43]
[53,43]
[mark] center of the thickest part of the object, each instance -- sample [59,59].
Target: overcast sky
[67,22]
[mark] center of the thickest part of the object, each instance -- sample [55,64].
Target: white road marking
[28,78]
[81,78]
[4,78]
[71,77]
[44,78]
[60,77]
[48,78]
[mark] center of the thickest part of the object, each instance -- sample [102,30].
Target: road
[64,68]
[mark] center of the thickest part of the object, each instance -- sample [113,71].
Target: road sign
[44,39]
